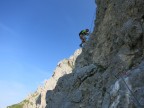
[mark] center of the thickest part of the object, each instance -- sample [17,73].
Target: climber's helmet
[87,30]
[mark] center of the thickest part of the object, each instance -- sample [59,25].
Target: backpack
[83,32]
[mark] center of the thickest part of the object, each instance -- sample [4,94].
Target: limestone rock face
[38,99]
[109,73]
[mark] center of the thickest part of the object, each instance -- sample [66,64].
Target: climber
[82,35]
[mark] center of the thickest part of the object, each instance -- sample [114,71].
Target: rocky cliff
[109,73]
[37,99]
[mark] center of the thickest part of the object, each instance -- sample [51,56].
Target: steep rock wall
[110,71]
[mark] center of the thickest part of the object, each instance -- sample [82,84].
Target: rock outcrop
[37,99]
[109,73]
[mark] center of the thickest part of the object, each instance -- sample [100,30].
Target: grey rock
[76,96]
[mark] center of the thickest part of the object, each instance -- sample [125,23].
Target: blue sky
[34,36]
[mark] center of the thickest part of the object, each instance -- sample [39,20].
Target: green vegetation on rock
[16,106]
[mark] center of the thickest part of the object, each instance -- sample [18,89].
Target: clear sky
[34,36]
